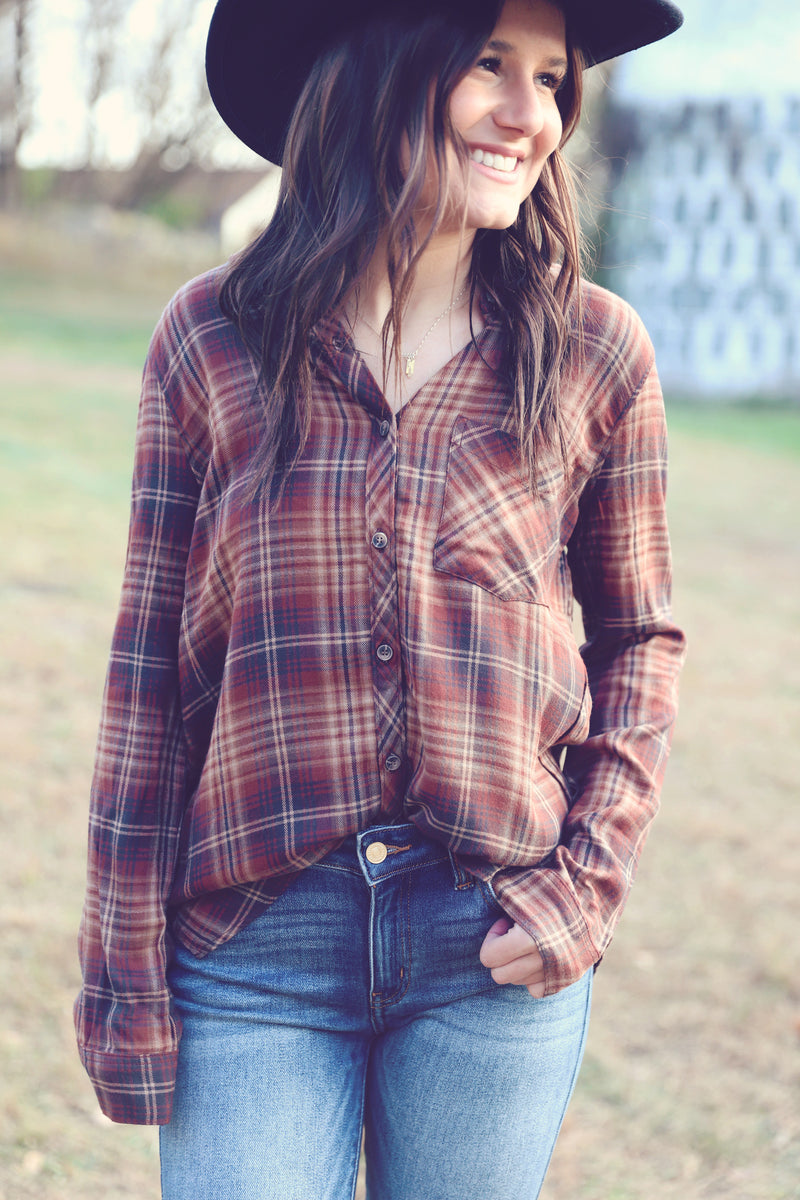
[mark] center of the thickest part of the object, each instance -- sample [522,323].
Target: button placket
[385,615]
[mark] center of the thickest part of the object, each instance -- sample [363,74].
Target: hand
[512,956]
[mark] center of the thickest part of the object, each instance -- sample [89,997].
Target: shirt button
[384,427]
[393,762]
[338,342]
[379,540]
[376,852]
[384,652]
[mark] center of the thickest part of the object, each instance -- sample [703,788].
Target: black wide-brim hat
[259,52]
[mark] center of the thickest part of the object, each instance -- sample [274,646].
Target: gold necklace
[410,359]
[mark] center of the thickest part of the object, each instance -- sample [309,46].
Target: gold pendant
[409,365]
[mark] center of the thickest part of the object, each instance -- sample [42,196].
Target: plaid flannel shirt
[394,636]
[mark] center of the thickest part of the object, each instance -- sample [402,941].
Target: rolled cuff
[538,902]
[133,1089]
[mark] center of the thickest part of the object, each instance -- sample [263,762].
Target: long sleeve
[619,559]
[127,1036]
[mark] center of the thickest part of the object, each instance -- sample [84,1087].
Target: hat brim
[607,28]
[259,53]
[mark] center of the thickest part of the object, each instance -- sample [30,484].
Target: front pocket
[492,531]
[493,905]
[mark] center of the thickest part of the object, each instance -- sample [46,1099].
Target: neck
[434,325]
[442,272]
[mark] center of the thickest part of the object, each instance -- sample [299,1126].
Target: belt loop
[461,879]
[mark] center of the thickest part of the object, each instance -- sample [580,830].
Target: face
[506,112]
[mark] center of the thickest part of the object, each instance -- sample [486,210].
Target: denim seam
[575,1070]
[363,1106]
[435,862]
[462,880]
[329,866]
[380,1001]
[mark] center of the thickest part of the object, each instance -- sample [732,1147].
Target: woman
[363,816]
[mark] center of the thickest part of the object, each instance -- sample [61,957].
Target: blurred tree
[103,21]
[136,92]
[179,122]
[15,105]
[176,118]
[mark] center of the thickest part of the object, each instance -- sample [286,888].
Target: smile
[500,162]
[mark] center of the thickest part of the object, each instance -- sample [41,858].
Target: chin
[494,220]
[493,212]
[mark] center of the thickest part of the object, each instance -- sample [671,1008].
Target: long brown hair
[345,185]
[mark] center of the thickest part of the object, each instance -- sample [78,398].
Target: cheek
[464,107]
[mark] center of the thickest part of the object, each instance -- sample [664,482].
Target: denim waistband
[384,851]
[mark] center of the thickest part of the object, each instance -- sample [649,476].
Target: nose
[520,108]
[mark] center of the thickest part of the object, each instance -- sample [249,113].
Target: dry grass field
[690,1089]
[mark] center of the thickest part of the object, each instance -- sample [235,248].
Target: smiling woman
[505,111]
[364,815]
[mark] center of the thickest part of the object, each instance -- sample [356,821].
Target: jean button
[376,852]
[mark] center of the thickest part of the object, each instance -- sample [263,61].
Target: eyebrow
[554,63]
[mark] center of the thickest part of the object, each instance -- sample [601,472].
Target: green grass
[74,321]
[690,1086]
[763,428]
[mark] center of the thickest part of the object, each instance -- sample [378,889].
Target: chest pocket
[492,531]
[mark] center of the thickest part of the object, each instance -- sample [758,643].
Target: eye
[552,82]
[490,63]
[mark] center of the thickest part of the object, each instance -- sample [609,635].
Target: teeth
[500,162]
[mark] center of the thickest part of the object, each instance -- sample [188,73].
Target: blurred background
[117,183]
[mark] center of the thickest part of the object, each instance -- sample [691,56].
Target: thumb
[500,928]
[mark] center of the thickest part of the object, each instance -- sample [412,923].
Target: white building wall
[705,243]
[242,221]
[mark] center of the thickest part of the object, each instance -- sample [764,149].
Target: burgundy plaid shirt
[395,636]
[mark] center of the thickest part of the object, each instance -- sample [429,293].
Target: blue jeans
[358,1001]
